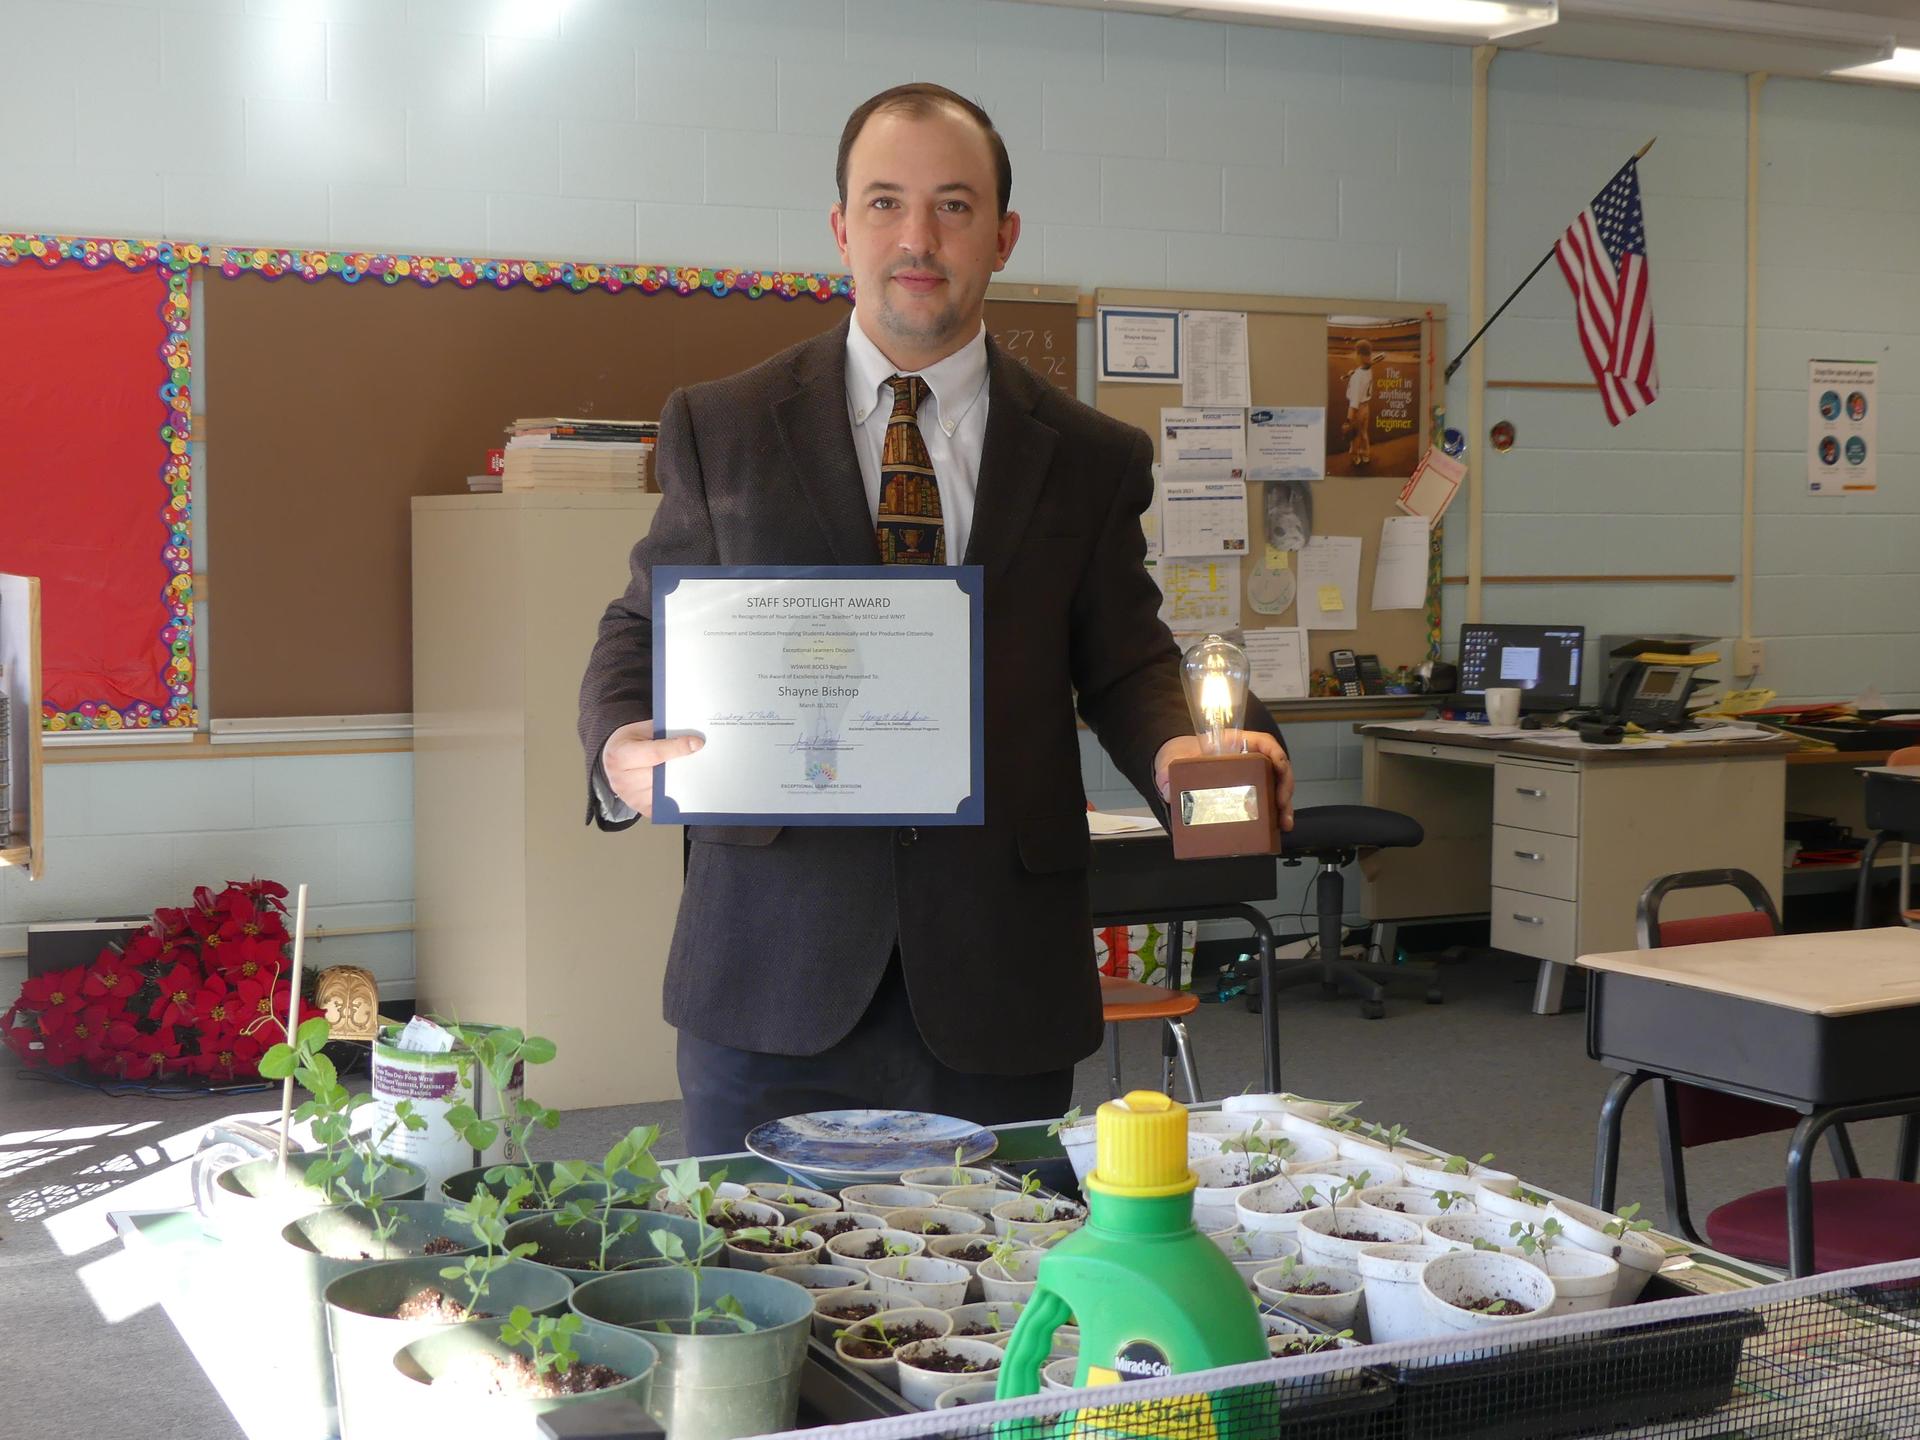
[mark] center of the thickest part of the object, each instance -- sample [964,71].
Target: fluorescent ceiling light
[1460,19]
[1902,69]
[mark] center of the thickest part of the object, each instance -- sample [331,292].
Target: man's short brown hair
[920,100]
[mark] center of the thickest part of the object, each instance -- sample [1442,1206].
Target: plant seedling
[1533,1197]
[1029,1184]
[329,1111]
[1345,1190]
[500,1053]
[549,1338]
[892,1248]
[1625,1221]
[1460,1165]
[632,1154]
[1065,1122]
[1447,1199]
[1535,1240]
[1391,1137]
[685,1188]
[486,1214]
[1480,1244]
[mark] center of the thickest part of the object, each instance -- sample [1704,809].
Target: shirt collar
[957,382]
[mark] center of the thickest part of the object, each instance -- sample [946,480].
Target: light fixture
[1483,20]
[1902,69]
[1737,35]
[1220,802]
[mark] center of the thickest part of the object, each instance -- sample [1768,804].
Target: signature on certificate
[893,717]
[742,717]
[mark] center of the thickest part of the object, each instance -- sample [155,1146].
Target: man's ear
[1009,235]
[837,223]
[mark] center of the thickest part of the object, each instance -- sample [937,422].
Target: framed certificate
[827,695]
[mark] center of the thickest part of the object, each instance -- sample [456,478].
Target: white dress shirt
[953,422]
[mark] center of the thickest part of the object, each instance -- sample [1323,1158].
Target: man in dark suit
[949,968]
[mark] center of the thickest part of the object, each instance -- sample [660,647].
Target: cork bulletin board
[334,404]
[1288,363]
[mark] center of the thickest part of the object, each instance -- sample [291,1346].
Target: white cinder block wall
[1147,151]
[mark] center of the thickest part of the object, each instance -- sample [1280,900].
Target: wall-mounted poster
[1843,427]
[1373,396]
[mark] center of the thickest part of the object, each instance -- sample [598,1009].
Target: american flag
[1604,257]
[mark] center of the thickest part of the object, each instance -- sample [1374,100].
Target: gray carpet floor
[1478,1073]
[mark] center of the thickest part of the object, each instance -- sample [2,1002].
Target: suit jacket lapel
[1013,462]
[818,437]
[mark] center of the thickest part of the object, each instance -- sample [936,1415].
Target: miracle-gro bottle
[1152,1295]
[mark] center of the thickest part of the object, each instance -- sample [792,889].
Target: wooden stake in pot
[293,1020]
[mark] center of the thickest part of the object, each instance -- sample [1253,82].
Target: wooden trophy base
[1222,805]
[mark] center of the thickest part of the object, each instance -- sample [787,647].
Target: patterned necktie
[908,527]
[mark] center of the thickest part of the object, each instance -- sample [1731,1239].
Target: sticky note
[1330,601]
[1277,558]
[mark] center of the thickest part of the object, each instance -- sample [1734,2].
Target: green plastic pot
[722,1383]
[317,1249]
[629,1190]
[432,1408]
[253,1200]
[365,1337]
[575,1250]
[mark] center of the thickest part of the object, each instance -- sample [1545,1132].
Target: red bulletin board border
[174,546]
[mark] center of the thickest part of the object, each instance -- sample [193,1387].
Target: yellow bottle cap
[1141,1147]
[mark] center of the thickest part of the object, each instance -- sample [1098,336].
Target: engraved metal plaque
[1226,805]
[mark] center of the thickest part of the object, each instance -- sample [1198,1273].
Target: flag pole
[1454,364]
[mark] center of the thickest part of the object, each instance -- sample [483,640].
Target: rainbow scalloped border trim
[468,273]
[176,470]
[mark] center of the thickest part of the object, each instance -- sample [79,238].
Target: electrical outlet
[1749,657]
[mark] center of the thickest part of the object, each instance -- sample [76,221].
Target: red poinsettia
[202,991]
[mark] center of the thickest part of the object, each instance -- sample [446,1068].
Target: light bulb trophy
[1220,802]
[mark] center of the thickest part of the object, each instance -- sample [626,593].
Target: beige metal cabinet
[1556,851]
[524,915]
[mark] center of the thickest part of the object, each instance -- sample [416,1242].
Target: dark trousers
[882,1064]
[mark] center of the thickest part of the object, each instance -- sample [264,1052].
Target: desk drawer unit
[1535,925]
[1536,861]
[1536,797]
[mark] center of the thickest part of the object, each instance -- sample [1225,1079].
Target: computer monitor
[1543,660]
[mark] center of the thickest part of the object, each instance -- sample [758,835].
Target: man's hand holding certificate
[825,696]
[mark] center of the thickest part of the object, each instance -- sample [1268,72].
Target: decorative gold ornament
[351,1001]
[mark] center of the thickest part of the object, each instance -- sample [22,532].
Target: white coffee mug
[1503,705]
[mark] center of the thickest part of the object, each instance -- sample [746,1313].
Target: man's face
[920,233]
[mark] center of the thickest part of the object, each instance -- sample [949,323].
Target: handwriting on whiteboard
[1038,351]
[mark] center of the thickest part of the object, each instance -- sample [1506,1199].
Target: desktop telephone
[1652,696]
[1358,674]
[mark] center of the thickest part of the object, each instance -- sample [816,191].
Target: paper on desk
[1203,518]
[1400,567]
[1198,595]
[1277,655]
[1202,444]
[1213,358]
[1329,597]
[1102,822]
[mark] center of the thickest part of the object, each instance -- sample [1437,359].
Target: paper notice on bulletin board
[1198,595]
[1843,419]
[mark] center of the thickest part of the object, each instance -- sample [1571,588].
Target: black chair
[1893,815]
[1335,835]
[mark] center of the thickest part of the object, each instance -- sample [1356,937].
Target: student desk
[1556,842]
[1824,1024]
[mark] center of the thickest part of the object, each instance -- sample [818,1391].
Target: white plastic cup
[1503,705]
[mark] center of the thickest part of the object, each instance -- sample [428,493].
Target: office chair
[1893,815]
[1856,1221]
[1335,835]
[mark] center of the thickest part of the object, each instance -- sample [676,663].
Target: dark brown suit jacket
[784,932]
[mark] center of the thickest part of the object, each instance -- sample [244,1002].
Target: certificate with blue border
[827,695]
[1138,346]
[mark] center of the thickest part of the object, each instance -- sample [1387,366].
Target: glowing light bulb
[1216,674]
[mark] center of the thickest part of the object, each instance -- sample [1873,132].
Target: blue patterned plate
[855,1145]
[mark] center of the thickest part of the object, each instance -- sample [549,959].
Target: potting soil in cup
[435,1081]
[1151,1294]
